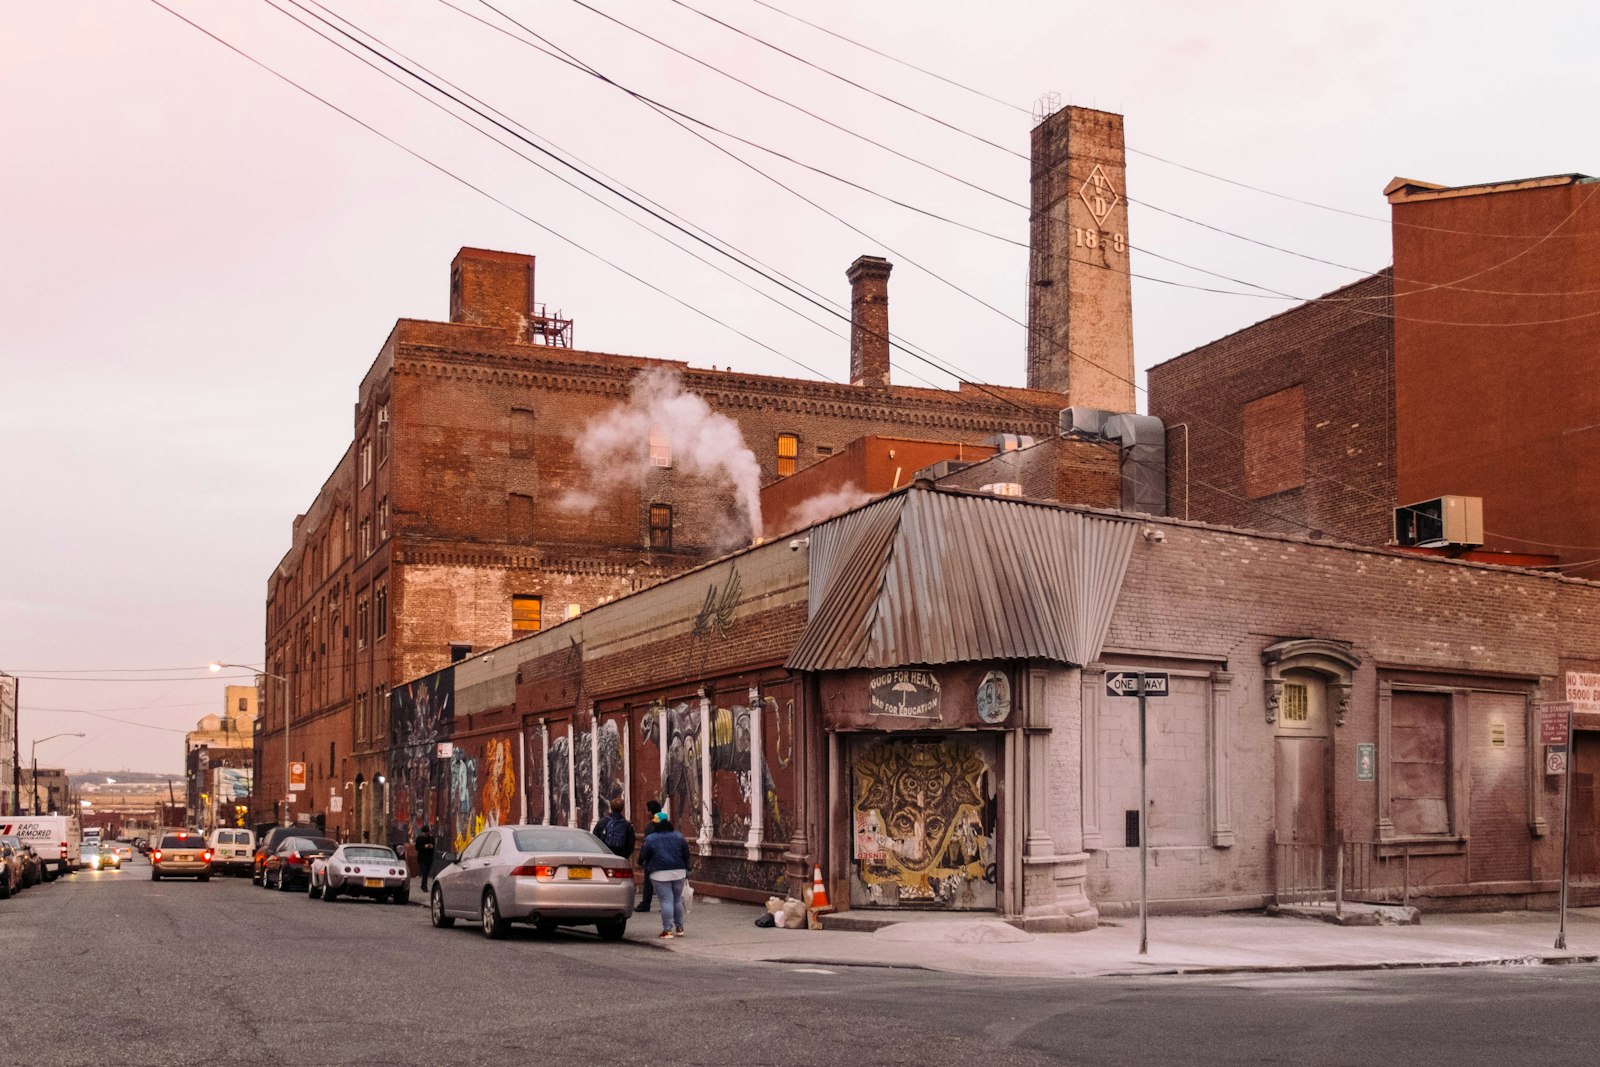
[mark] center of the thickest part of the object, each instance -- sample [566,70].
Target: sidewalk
[724,930]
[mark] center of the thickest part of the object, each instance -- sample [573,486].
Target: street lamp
[217,665]
[33,756]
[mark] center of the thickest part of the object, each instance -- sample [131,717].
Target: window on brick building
[244,703]
[366,538]
[380,612]
[526,614]
[366,462]
[788,454]
[824,450]
[1420,763]
[383,519]
[660,526]
[459,650]
[383,434]
[521,433]
[331,761]
[660,447]
[363,622]
[519,518]
[574,610]
[1275,443]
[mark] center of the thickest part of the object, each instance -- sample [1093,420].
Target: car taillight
[542,871]
[156,855]
[294,857]
[620,872]
[208,855]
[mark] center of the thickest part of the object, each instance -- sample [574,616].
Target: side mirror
[447,858]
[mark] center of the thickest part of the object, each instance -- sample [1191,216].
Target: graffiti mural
[730,773]
[681,788]
[610,773]
[924,822]
[421,715]
[777,766]
[583,777]
[533,741]
[558,776]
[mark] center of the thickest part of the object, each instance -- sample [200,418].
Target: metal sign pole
[1144,831]
[1566,833]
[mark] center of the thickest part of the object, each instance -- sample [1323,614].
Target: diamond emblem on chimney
[1099,195]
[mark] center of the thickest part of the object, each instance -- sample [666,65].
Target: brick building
[1466,369]
[500,480]
[802,704]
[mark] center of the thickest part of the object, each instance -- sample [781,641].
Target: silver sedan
[356,870]
[548,876]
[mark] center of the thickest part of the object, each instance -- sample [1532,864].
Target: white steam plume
[826,505]
[705,444]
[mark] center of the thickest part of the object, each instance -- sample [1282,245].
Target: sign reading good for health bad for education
[1126,683]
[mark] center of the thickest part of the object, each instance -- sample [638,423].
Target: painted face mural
[498,797]
[558,777]
[924,823]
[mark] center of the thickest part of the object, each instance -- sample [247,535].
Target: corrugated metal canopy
[930,576]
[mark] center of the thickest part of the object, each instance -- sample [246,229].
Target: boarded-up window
[788,453]
[660,526]
[526,612]
[1275,443]
[519,519]
[1419,761]
[521,432]
[1296,705]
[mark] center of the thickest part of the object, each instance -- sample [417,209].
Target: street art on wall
[534,787]
[924,822]
[730,772]
[610,772]
[421,715]
[558,776]
[681,785]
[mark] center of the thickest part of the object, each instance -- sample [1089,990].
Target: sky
[198,260]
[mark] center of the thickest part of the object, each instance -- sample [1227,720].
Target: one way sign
[1126,683]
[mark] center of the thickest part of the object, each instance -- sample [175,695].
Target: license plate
[374,883]
[579,872]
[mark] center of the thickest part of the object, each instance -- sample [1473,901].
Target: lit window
[366,538]
[525,614]
[366,462]
[383,518]
[660,448]
[363,622]
[660,526]
[788,451]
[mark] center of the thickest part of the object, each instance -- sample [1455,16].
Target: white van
[54,837]
[233,851]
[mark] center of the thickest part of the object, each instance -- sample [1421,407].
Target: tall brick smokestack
[869,320]
[1080,304]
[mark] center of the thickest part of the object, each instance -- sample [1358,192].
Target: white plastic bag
[688,898]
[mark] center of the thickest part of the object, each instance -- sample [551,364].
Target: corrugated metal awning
[930,576]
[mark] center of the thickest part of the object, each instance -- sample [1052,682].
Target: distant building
[51,794]
[10,753]
[219,757]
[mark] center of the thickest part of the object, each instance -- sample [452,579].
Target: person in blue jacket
[665,859]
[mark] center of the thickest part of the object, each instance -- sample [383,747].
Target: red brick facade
[448,503]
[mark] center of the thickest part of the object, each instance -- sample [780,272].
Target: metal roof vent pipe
[1144,461]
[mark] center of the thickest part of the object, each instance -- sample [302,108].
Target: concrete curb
[1382,965]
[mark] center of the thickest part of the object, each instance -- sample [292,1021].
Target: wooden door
[1302,790]
[1585,769]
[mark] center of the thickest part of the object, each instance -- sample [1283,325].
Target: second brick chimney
[869,320]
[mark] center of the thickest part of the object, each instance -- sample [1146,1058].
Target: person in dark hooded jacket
[665,859]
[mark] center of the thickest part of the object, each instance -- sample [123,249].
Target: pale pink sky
[197,262]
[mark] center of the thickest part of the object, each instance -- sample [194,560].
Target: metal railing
[1370,872]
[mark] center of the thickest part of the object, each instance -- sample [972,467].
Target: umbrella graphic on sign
[903,688]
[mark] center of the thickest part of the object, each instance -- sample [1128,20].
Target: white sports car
[357,870]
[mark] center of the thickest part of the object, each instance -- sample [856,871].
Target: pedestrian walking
[615,831]
[652,808]
[424,843]
[665,859]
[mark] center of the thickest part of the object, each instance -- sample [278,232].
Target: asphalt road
[111,968]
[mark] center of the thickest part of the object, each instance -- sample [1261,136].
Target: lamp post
[217,665]
[33,757]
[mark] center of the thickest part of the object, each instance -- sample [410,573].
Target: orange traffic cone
[819,892]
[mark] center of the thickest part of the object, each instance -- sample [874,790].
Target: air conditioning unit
[942,469]
[1443,522]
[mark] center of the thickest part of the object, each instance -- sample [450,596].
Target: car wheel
[611,929]
[155,875]
[283,881]
[312,889]
[330,893]
[205,878]
[494,924]
[436,911]
[5,889]
[403,897]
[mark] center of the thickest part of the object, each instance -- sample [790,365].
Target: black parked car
[289,866]
[267,842]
